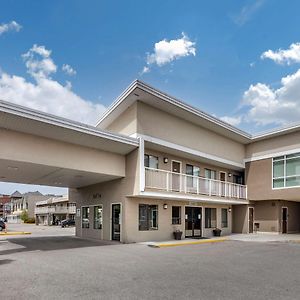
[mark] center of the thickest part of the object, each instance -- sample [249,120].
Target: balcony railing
[177,182]
[53,210]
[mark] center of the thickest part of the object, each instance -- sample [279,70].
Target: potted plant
[217,232]
[177,234]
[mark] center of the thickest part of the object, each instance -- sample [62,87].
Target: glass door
[193,217]
[116,222]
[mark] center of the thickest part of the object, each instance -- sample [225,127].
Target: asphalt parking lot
[65,267]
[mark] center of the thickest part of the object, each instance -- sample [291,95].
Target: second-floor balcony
[55,210]
[166,181]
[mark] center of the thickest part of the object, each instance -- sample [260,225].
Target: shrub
[24,216]
[30,221]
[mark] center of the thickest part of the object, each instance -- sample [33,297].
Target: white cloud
[44,93]
[234,121]
[68,70]
[247,12]
[12,26]
[288,56]
[274,106]
[167,51]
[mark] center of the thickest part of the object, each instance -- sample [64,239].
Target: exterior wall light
[166,160]
[229,174]
[229,209]
[165,206]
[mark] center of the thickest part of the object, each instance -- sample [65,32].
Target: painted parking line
[14,233]
[209,241]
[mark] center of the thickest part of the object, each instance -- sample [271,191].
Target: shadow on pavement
[52,243]
[5,261]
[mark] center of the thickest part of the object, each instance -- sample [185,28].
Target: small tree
[24,216]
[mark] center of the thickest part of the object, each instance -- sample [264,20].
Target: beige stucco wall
[22,147]
[126,123]
[159,124]
[272,145]
[266,213]
[240,219]
[165,227]
[114,191]
[258,175]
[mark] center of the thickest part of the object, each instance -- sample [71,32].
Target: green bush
[24,216]
[30,221]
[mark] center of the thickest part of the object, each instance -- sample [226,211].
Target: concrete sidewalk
[265,237]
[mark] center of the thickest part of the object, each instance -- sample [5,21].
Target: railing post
[185,181]
[209,191]
[167,181]
[197,185]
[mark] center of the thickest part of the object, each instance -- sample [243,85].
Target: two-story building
[191,172]
[53,210]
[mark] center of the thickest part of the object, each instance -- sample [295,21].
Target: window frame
[88,224]
[210,225]
[148,157]
[285,158]
[176,220]
[149,217]
[222,222]
[101,218]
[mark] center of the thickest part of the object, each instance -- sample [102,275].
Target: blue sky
[106,44]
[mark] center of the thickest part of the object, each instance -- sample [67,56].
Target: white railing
[182,183]
[56,209]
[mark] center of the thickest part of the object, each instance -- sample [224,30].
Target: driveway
[70,268]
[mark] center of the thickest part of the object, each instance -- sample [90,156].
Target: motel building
[153,165]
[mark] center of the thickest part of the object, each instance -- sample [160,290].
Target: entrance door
[193,217]
[176,168]
[284,219]
[116,222]
[251,219]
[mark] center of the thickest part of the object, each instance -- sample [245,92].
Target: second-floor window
[194,171]
[211,174]
[151,161]
[286,171]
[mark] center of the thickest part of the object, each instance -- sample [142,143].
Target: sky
[236,60]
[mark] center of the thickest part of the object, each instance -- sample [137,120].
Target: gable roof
[141,91]
[16,194]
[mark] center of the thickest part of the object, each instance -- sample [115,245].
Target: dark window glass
[98,217]
[224,217]
[148,215]
[210,217]
[151,161]
[176,215]
[85,217]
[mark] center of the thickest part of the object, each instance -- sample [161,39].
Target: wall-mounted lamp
[166,160]
[165,206]
[229,209]
[229,174]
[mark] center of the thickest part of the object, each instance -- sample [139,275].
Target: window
[151,161]
[176,215]
[238,179]
[148,217]
[98,217]
[286,171]
[224,217]
[210,217]
[85,217]
[193,171]
[211,174]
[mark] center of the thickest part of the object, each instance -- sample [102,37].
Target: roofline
[18,110]
[179,103]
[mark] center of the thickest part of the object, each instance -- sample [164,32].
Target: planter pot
[217,232]
[177,235]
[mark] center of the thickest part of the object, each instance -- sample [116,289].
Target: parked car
[2,225]
[67,222]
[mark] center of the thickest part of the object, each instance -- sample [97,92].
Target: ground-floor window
[148,215]
[210,217]
[176,215]
[85,221]
[98,217]
[224,219]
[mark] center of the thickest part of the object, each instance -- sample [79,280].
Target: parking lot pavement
[71,268]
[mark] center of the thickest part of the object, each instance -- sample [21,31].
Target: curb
[187,243]
[14,233]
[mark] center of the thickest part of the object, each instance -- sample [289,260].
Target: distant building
[20,202]
[53,210]
[5,206]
